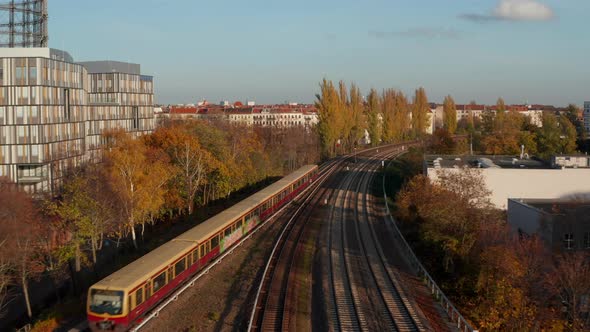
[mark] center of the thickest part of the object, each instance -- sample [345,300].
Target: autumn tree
[509,283]
[345,111]
[568,135]
[572,113]
[137,180]
[358,119]
[329,117]
[449,115]
[500,106]
[557,136]
[85,210]
[19,234]
[449,210]
[401,116]
[570,280]
[442,142]
[420,112]
[374,117]
[390,130]
[190,159]
[5,278]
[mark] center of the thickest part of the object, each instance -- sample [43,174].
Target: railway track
[273,304]
[398,307]
[350,275]
[365,292]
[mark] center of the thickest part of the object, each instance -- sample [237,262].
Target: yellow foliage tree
[137,179]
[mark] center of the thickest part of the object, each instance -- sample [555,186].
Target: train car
[118,301]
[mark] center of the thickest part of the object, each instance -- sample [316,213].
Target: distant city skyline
[272,52]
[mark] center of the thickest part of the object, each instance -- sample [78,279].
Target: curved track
[273,304]
[364,293]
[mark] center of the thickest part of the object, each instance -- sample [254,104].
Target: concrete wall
[531,183]
[528,219]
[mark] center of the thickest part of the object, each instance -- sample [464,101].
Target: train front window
[106,301]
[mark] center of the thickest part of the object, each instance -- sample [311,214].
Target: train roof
[136,272]
[158,259]
[218,222]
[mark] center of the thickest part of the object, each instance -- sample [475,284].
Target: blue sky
[276,50]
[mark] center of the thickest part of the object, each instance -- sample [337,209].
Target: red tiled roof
[183,110]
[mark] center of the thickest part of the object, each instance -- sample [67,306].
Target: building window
[135,117]
[568,241]
[33,75]
[67,110]
[587,240]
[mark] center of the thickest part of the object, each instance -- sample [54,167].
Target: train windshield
[106,301]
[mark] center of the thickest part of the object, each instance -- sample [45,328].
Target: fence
[454,314]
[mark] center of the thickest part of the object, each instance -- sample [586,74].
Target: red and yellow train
[119,300]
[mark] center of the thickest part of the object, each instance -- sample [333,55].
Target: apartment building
[260,116]
[52,112]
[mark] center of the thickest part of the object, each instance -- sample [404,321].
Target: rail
[454,314]
[172,298]
[25,328]
[317,186]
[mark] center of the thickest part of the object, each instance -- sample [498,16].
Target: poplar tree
[374,117]
[329,117]
[449,115]
[356,111]
[402,115]
[500,106]
[420,112]
[345,112]
[390,132]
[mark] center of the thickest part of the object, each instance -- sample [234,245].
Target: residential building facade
[51,114]
[261,116]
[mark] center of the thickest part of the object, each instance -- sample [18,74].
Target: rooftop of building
[260,109]
[558,207]
[35,52]
[109,66]
[483,161]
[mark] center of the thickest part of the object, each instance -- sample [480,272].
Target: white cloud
[523,10]
[514,10]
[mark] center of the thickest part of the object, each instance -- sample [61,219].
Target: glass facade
[52,114]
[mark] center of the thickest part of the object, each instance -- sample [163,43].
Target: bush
[213,316]
[46,325]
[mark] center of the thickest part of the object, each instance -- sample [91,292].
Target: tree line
[171,173]
[506,132]
[345,115]
[388,117]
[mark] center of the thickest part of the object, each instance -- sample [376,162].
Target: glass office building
[53,112]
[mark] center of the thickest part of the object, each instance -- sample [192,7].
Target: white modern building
[53,111]
[509,177]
